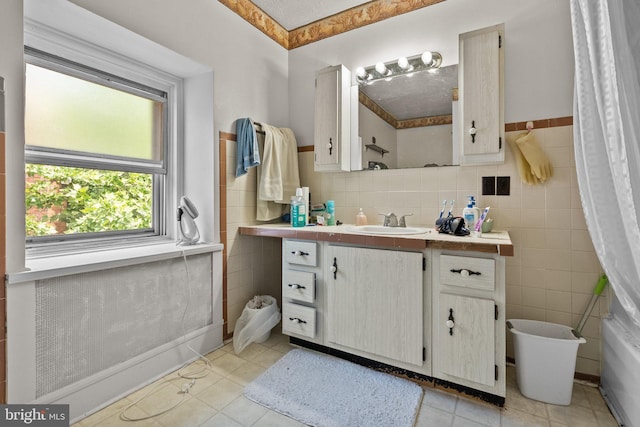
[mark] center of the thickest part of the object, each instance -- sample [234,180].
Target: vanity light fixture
[427,61]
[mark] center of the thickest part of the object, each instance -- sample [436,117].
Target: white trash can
[545,356]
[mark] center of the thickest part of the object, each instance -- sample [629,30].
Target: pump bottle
[470,214]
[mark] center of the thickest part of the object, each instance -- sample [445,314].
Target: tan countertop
[494,242]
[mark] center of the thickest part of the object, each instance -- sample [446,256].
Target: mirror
[407,121]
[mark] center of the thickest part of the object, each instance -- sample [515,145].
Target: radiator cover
[88,322]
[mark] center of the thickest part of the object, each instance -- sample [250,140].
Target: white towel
[278,175]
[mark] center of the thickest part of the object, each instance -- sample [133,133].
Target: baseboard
[100,390]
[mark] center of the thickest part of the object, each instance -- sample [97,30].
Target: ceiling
[293,14]
[423,95]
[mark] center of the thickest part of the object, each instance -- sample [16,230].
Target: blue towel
[248,154]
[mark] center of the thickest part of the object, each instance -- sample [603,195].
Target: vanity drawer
[300,252]
[299,285]
[467,272]
[298,319]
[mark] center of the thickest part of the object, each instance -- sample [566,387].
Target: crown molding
[356,17]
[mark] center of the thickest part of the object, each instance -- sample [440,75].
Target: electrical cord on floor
[191,375]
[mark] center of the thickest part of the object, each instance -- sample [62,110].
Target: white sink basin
[379,229]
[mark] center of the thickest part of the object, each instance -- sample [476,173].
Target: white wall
[538,53]
[250,69]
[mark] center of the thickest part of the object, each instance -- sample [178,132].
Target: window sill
[64,265]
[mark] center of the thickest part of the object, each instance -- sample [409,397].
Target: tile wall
[554,269]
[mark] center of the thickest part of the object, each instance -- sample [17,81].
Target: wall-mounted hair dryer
[187,212]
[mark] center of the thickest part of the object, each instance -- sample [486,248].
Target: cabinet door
[466,347]
[481,93]
[332,120]
[375,302]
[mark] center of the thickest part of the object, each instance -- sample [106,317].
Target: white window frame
[89,55]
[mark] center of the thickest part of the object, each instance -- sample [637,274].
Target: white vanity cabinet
[468,320]
[332,135]
[435,312]
[301,295]
[481,94]
[375,302]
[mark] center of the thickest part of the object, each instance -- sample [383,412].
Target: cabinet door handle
[334,268]
[465,273]
[473,131]
[297,320]
[296,286]
[330,145]
[300,253]
[450,323]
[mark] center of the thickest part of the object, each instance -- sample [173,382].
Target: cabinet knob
[297,320]
[334,268]
[300,253]
[296,286]
[330,145]
[450,324]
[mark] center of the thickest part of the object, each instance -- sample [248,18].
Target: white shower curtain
[606,37]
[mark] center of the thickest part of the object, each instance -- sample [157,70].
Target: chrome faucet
[391,220]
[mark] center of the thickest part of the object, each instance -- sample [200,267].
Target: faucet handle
[390,219]
[402,222]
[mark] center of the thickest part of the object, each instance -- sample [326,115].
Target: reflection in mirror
[407,122]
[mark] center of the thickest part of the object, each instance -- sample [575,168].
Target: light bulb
[403,62]
[381,68]
[427,58]
[360,72]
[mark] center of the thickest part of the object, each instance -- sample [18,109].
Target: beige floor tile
[465,422]
[191,413]
[244,411]
[251,350]
[246,373]
[482,413]
[572,415]
[105,413]
[439,399]
[514,418]
[221,420]
[431,417]
[162,399]
[220,394]
[267,358]
[227,364]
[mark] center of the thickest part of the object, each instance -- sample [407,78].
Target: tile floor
[217,400]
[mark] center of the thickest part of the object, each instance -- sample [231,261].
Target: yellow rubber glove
[523,166]
[540,165]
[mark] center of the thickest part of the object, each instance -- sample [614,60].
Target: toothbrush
[451,208]
[444,206]
[482,218]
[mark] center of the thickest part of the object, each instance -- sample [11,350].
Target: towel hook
[529,126]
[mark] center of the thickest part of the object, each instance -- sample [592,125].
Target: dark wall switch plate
[503,186]
[488,185]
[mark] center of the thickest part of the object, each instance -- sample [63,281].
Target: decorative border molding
[259,19]
[356,17]
[540,124]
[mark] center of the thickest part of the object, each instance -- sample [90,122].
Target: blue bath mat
[324,391]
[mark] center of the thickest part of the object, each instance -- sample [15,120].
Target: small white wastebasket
[545,356]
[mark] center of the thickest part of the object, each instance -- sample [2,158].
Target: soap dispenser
[470,214]
[361,218]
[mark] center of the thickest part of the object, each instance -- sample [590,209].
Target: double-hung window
[95,155]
